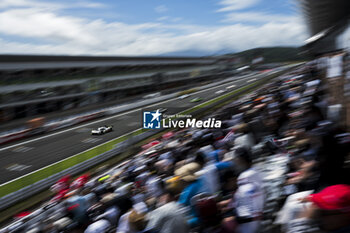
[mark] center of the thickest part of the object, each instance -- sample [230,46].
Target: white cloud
[84,4]
[49,32]
[5,4]
[176,19]
[258,17]
[161,9]
[233,5]
[163,18]
[169,19]
[34,23]
[28,3]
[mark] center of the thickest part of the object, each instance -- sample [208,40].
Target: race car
[102,130]
[197,99]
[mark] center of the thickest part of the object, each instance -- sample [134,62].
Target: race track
[20,158]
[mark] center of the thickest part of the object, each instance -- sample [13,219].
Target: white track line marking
[17,167]
[22,149]
[91,140]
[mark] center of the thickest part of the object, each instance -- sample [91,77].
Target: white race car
[102,130]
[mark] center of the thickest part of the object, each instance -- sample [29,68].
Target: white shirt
[207,149]
[111,214]
[153,187]
[245,140]
[210,178]
[123,225]
[140,197]
[168,219]
[250,176]
[249,198]
[98,227]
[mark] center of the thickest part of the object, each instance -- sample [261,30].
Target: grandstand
[32,85]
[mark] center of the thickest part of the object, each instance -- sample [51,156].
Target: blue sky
[147,27]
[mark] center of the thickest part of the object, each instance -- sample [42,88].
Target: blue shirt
[190,191]
[224,165]
[214,155]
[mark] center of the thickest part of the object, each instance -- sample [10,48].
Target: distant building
[34,85]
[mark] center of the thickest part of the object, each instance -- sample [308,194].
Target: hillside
[272,54]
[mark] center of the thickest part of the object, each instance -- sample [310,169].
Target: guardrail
[117,147]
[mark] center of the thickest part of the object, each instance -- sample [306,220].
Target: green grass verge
[60,166]
[33,202]
[81,157]
[188,91]
[222,97]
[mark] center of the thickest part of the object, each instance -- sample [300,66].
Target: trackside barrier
[121,147]
[13,136]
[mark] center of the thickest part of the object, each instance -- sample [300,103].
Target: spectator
[193,186]
[209,175]
[244,138]
[249,198]
[136,212]
[329,211]
[137,222]
[100,226]
[168,217]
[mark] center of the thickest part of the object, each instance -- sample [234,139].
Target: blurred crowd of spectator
[278,164]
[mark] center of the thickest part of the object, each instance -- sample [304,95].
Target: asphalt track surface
[20,158]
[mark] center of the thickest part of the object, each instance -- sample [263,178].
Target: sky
[147,27]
